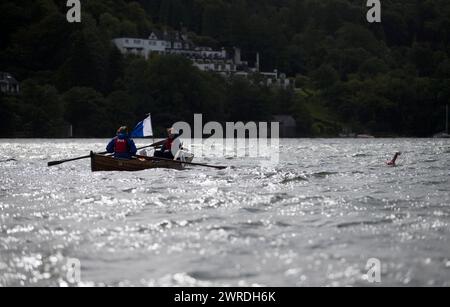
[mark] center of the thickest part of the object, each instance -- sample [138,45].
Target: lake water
[314,219]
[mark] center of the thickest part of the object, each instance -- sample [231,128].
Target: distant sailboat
[444,135]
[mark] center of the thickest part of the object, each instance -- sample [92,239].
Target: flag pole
[151,121]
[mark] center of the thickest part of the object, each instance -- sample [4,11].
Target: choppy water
[313,220]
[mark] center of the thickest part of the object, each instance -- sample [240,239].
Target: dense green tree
[10,121]
[85,110]
[87,62]
[120,109]
[43,109]
[110,25]
[324,77]
[246,102]
[171,85]
[388,79]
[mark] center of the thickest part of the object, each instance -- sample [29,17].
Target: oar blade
[54,163]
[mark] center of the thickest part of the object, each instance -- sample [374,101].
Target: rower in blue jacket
[122,146]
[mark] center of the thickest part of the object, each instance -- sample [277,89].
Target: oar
[181,162]
[53,163]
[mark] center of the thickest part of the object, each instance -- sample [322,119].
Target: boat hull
[100,163]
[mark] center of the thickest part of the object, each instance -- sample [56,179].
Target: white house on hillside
[204,58]
[8,84]
[167,43]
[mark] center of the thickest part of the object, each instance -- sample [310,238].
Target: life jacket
[120,146]
[168,144]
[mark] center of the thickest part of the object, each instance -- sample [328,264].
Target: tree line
[391,78]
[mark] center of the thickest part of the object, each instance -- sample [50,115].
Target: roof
[8,78]
[173,36]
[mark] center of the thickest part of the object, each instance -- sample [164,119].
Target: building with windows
[165,43]
[204,58]
[8,84]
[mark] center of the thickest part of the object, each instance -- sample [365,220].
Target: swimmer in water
[394,160]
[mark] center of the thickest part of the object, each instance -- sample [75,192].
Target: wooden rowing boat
[102,163]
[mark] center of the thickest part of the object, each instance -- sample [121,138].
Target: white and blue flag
[143,129]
